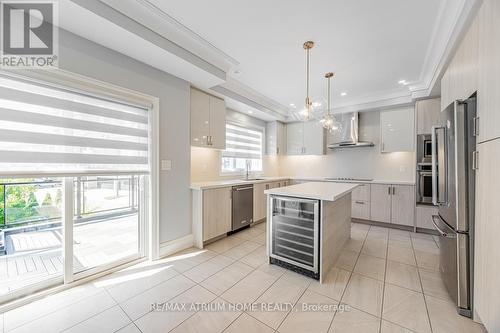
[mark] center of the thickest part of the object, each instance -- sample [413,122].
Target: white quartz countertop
[327,191]
[234,182]
[373,181]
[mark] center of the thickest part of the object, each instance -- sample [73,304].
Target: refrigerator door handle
[438,168]
[437,221]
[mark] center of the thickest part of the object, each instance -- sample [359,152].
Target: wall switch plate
[166,165]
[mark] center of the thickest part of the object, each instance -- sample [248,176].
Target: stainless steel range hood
[347,136]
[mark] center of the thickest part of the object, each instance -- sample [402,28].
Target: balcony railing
[36,203]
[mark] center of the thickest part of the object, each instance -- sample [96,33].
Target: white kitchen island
[308,224]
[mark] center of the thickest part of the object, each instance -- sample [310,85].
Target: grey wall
[243,118]
[81,56]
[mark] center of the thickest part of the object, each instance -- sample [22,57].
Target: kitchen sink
[252,179]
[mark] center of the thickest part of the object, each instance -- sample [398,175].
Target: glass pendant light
[328,121]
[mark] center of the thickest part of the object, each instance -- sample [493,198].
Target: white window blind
[242,143]
[46,129]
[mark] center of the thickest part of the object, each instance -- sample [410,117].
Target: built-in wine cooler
[294,234]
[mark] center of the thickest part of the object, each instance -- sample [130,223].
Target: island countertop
[315,190]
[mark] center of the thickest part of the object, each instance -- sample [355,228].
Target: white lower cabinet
[360,209]
[403,205]
[424,217]
[393,204]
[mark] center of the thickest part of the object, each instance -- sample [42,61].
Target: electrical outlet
[166,165]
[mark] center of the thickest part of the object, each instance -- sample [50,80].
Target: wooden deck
[33,257]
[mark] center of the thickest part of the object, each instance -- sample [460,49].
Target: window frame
[253,127]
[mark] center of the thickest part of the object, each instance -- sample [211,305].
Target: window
[74,170]
[243,146]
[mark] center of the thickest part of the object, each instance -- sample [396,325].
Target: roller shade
[242,142]
[46,129]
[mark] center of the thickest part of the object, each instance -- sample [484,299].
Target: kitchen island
[308,225]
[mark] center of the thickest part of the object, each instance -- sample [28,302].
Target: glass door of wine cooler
[295,231]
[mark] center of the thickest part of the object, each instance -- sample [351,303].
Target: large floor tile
[333,285]
[108,321]
[249,233]
[347,260]
[401,243]
[256,258]
[287,290]
[353,244]
[139,305]
[306,317]
[47,305]
[433,284]
[378,233]
[164,321]
[405,308]
[133,281]
[241,250]
[426,245]
[375,247]
[445,319]
[353,320]
[208,268]
[249,288]
[403,275]
[248,324]
[130,328]
[365,294]
[401,254]
[213,320]
[370,266]
[427,260]
[360,226]
[227,277]
[224,244]
[70,315]
[398,234]
[187,259]
[260,239]
[388,327]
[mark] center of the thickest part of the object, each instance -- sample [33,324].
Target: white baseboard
[176,245]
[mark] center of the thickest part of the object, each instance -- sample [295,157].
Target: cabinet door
[397,130]
[200,118]
[361,193]
[217,123]
[380,208]
[424,216]
[295,138]
[488,98]
[403,205]
[216,212]
[281,138]
[360,209]
[428,112]
[314,138]
[259,201]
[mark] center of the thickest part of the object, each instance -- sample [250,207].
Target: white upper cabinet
[275,138]
[428,112]
[208,120]
[305,138]
[397,130]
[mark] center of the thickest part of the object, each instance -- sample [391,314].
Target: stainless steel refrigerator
[453,164]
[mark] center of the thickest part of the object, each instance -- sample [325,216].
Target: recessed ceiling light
[237,71]
[292,105]
[343,93]
[403,82]
[250,111]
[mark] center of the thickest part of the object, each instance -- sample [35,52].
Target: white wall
[362,162]
[81,56]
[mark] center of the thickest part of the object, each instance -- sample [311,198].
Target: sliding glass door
[74,169]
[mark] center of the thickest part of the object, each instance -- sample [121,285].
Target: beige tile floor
[384,281]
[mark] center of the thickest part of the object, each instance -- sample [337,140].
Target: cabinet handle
[277,150]
[211,142]
[389,190]
[475,160]
[394,190]
[359,202]
[267,186]
[475,126]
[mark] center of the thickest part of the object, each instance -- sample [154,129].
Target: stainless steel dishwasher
[242,212]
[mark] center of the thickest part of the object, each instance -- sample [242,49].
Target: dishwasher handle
[242,188]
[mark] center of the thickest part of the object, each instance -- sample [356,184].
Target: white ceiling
[370,45]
